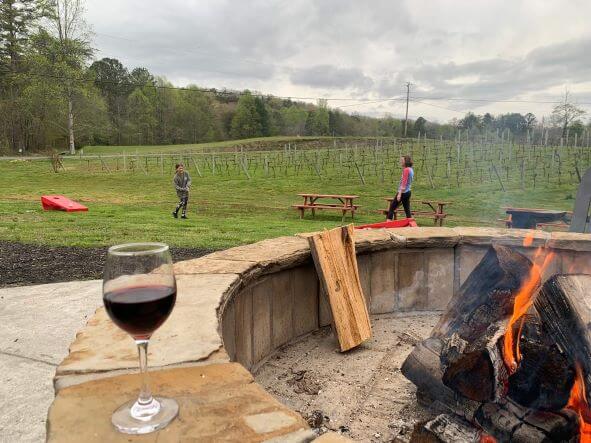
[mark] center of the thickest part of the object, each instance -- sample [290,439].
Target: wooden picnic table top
[328,195]
[534,210]
[436,201]
[425,202]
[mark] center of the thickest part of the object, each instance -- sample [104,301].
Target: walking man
[182,183]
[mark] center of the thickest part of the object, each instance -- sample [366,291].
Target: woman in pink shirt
[403,195]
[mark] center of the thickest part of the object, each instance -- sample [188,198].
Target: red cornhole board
[404,223]
[61,203]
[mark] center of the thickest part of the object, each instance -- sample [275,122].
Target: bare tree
[566,113]
[73,35]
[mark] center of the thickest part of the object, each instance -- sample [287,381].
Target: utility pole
[406,117]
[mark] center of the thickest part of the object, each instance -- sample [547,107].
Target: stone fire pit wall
[241,304]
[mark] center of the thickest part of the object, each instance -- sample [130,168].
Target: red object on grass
[61,203]
[403,223]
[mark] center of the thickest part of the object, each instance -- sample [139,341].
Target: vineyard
[438,163]
[244,194]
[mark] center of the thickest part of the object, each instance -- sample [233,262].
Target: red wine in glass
[139,293]
[140,310]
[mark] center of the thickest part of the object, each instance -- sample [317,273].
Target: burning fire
[578,403]
[485,438]
[523,301]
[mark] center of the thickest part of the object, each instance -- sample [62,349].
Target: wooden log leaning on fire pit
[336,264]
[460,369]
[564,305]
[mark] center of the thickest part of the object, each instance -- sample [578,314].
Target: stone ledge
[207,265]
[270,255]
[428,237]
[509,237]
[217,403]
[190,334]
[64,381]
[571,241]
[369,240]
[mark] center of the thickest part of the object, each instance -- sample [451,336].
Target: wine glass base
[124,422]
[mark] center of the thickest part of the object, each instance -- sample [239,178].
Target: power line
[437,106]
[360,100]
[190,89]
[371,102]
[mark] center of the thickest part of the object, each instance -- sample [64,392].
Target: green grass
[196,147]
[224,211]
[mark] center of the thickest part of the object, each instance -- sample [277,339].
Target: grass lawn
[223,211]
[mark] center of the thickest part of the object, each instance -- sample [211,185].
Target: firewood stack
[461,372]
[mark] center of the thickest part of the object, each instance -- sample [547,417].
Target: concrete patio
[38,324]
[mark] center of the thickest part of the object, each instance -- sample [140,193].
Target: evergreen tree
[17,18]
[246,122]
[112,79]
[263,116]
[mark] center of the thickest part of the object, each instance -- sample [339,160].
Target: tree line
[563,124]
[55,95]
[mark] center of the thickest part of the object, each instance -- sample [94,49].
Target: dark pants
[405,200]
[184,199]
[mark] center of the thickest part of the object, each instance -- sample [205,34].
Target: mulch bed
[23,264]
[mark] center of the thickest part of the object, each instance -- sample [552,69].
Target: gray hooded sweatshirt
[181,184]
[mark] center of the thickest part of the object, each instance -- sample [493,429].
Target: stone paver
[217,402]
[269,421]
[38,324]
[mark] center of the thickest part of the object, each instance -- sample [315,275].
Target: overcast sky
[367,50]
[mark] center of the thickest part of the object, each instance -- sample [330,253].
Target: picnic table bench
[438,213]
[532,218]
[311,202]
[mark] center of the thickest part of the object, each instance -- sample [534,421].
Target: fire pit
[246,304]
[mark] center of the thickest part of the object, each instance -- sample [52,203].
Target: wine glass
[139,292]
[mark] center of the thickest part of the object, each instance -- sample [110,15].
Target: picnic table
[438,213]
[531,218]
[311,202]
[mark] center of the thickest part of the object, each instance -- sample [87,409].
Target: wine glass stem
[145,396]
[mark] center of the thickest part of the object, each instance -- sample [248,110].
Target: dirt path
[23,264]
[361,393]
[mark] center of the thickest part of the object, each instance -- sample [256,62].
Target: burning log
[461,369]
[564,306]
[475,320]
[544,377]
[445,429]
[465,337]
[486,295]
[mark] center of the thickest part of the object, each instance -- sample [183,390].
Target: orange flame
[578,403]
[523,301]
[485,438]
[528,240]
[571,268]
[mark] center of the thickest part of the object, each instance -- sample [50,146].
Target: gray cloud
[350,48]
[331,77]
[551,66]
